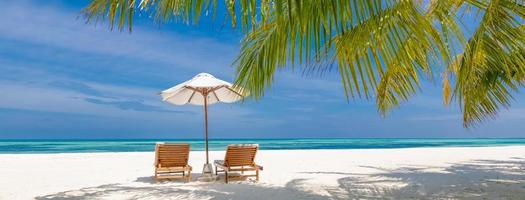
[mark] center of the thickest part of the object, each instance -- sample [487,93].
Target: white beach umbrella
[203,90]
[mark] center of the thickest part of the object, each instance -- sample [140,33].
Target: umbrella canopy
[203,90]
[191,91]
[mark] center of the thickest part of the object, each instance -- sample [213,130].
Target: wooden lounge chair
[172,159]
[239,158]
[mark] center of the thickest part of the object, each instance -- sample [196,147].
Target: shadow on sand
[479,179]
[177,190]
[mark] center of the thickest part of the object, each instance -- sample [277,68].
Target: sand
[413,173]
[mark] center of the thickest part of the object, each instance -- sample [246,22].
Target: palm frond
[393,41]
[492,65]
[293,31]
[120,13]
[382,49]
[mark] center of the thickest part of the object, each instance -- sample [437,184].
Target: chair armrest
[220,164]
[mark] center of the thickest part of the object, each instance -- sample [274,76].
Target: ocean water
[72,146]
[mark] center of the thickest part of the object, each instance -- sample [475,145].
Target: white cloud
[31,84]
[430,117]
[512,114]
[46,92]
[504,115]
[61,28]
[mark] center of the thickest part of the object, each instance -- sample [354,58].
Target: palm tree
[382,49]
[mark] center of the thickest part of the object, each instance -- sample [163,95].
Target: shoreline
[401,173]
[393,148]
[306,138]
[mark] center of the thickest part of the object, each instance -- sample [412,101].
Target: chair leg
[216,172]
[189,176]
[257,175]
[226,176]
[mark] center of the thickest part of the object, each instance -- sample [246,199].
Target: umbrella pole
[207,171]
[206,123]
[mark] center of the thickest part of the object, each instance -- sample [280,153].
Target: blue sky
[61,78]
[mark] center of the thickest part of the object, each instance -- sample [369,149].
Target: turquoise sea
[72,146]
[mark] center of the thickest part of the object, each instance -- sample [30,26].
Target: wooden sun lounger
[239,158]
[172,159]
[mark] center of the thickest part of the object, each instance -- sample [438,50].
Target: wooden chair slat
[172,158]
[239,158]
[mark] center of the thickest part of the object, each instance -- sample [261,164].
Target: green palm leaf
[492,65]
[382,49]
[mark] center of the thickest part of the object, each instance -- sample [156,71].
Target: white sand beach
[417,173]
